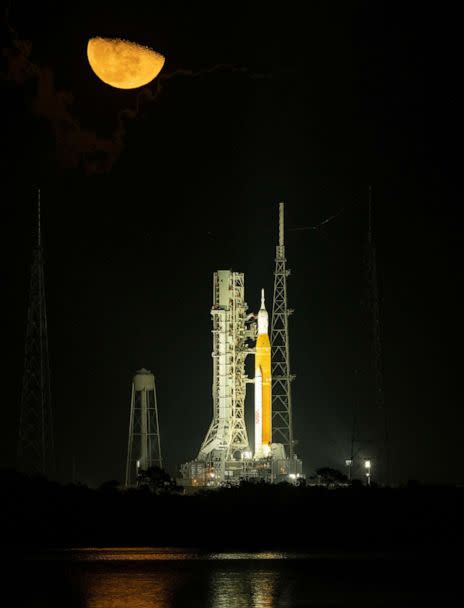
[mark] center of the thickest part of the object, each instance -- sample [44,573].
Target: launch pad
[225,456]
[203,473]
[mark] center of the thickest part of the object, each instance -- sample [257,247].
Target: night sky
[146,193]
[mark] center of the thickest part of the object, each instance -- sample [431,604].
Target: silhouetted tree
[158,480]
[110,486]
[331,477]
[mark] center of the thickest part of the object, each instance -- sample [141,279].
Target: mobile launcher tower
[225,456]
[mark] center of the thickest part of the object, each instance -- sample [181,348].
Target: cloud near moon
[78,146]
[123,64]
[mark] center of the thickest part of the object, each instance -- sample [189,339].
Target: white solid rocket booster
[258,413]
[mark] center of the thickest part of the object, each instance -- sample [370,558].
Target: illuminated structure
[35,442]
[144,446]
[225,453]
[368,467]
[263,414]
[227,439]
[281,376]
[225,456]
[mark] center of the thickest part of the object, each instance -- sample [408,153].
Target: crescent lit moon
[123,64]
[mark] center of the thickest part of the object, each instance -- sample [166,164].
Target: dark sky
[142,206]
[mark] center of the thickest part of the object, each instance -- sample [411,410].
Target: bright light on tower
[368,466]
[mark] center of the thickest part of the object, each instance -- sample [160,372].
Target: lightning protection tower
[35,442]
[282,424]
[144,447]
[376,343]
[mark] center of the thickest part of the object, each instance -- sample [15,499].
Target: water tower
[144,446]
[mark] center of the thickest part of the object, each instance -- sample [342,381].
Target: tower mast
[376,336]
[35,442]
[282,424]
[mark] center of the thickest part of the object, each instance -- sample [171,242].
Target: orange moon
[123,64]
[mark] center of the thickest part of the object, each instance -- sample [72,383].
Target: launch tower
[226,440]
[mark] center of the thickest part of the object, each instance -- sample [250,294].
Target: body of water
[173,578]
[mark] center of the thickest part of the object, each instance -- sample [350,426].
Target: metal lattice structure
[35,442]
[374,309]
[227,433]
[282,424]
[144,445]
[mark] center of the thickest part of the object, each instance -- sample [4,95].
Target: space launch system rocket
[263,386]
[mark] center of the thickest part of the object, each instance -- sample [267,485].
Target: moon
[123,64]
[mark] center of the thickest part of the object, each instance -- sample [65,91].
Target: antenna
[369,232]
[281,225]
[39,229]
[376,335]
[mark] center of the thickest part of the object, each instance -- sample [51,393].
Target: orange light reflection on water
[112,578]
[92,554]
[130,589]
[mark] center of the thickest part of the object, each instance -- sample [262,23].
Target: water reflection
[262,555]
[163,554]
[256,589]
[131,554]
[129,589]
[145,578]
[167,578]
[159,588]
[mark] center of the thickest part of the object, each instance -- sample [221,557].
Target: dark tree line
[37,512]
